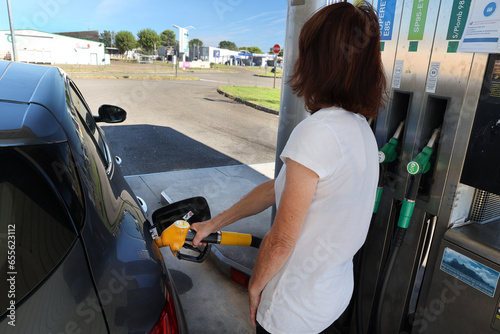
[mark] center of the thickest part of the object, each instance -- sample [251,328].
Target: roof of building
[19,32]
[91,35]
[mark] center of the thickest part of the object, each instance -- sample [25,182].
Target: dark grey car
[76,253]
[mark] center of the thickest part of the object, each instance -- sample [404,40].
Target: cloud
[275,22]
[282,12]
[107,8]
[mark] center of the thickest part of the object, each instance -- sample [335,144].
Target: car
[80,254]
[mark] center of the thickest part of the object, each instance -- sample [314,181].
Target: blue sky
[247,23]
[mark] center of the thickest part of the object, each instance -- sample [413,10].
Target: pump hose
[397,241]
[359,297]
[360,274]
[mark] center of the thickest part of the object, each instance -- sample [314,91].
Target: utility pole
[12,33]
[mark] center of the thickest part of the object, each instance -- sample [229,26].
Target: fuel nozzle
[385,155]
[176,235]
[420,164]
[388,152]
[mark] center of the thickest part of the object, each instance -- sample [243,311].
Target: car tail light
[167,323]
[240,278]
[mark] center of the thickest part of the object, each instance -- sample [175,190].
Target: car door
[46,284]
[129,279]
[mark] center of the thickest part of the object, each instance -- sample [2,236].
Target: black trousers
[260,330]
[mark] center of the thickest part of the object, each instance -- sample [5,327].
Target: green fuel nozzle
[420,164]
[388,152]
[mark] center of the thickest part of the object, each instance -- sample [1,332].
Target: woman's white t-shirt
[315,284]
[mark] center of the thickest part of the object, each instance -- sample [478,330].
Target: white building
[46,48]
[229,57]
[221,56]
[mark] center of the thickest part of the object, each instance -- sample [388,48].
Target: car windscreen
[36,230]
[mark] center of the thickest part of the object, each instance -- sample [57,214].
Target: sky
[259,23]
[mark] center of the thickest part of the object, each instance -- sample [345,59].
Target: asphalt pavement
[178,125]
[212,302]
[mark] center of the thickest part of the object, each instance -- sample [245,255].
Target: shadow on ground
[146,149]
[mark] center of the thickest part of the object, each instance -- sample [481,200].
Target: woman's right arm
[256,201]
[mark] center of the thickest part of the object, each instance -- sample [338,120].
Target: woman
[303,275]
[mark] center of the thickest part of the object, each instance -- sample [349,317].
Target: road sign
[276,48]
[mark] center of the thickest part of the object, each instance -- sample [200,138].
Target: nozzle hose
[398,130]
[434,136]
[213,238]
[228,238]
[388,152]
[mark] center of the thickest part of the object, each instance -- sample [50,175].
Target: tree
[167,38]
[228,45]
[125,41]
[252,49]
[196,42]
[107,37]
[147,39]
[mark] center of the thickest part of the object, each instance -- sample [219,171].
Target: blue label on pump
[386,9]
[470,271]
[490,9]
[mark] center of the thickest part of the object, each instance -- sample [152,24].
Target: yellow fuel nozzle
[174,236]
[179,232]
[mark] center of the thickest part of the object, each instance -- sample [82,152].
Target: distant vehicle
[80,257]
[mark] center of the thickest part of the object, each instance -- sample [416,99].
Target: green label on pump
[452,46]
[458,19]
[417,22]
[413,47]
[413,167]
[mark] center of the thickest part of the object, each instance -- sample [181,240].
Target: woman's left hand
[254,304]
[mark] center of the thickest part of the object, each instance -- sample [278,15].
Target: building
[91,35]
[47,48]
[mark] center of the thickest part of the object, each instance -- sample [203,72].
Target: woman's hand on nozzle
[202,231]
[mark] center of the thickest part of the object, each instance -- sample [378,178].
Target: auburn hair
[339,62]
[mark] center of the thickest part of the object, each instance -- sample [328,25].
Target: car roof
[27,83]
[32,104]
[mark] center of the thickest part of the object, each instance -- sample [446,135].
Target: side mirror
[110,114]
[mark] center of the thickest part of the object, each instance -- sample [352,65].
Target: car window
[36,231]
[91,126]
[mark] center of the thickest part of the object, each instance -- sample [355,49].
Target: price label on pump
[398,73]
[432,77]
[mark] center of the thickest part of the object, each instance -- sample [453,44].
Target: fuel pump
[418,166]
[387,154]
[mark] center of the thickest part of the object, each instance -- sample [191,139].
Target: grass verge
[263,96]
